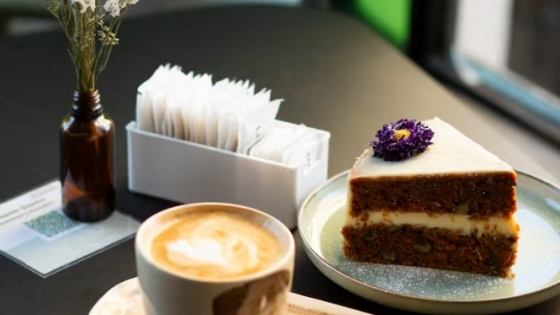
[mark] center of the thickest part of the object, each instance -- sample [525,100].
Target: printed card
[36,233]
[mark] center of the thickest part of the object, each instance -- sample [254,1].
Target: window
[505,52]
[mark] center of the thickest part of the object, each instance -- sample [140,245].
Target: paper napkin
[229,115]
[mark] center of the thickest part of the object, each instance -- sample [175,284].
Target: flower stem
[83,24]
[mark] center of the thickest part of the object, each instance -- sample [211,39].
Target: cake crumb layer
[488,254]
[479,195]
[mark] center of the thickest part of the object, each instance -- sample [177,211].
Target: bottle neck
[87,105]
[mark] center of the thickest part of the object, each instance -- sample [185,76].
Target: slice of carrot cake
[426,195]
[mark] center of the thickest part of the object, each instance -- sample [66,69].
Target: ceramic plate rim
[310,250]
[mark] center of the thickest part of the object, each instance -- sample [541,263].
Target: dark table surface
[334,73]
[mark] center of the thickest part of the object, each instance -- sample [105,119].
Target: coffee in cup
[214,244]
[214,259]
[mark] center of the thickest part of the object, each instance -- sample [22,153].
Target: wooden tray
[124,299]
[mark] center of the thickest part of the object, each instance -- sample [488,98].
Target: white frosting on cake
[451,153]
[460,223]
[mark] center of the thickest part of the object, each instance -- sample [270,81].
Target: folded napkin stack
[227,115]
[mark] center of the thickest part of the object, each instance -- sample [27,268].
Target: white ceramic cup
[262,293]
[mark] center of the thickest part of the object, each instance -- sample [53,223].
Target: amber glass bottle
[87,140]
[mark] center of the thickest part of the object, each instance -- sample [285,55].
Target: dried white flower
[90,4]
[84,5]
[112,7]
[80,5]
[124,3]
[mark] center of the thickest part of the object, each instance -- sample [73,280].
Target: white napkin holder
[187,172]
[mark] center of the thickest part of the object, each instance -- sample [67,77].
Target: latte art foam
[212,244]
[215,245]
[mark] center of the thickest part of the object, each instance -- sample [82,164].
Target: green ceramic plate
[433,291]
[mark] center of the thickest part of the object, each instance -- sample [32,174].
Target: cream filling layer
[456,222]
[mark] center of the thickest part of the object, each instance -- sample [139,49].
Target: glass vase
[87,138]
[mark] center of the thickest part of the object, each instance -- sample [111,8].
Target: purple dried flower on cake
[401,140]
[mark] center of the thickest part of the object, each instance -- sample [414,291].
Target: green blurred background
[390,18]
